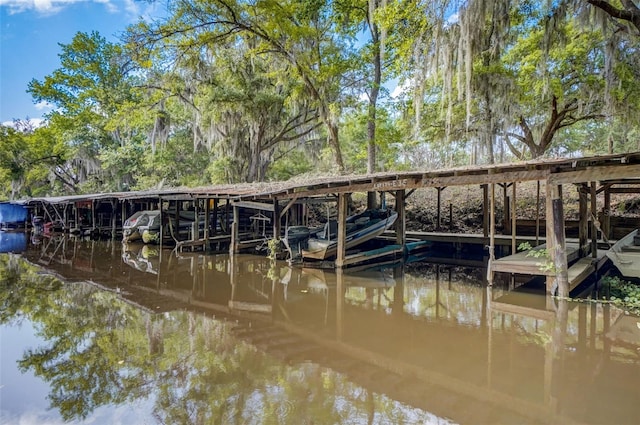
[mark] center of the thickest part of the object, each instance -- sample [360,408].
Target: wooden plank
[580,271]
[595,173]
[426,180]
[400,224]
[522,263]
[262,206]
[372,255]
[342,230]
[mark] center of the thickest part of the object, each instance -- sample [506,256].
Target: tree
[304,34]
[566,89]
[629,12]
[87,92]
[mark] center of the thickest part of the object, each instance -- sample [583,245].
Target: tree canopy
[229,91]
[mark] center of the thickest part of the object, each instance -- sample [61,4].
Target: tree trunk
[332,136]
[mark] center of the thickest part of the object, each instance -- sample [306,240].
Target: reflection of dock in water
[474,372]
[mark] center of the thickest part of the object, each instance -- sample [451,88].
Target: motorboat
[145,225]
[625,255]
[322,243]
[131,229]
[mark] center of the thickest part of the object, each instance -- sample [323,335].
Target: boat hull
[625,255]
[322,249]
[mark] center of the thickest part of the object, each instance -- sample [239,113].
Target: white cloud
[35,122]
[40,106]
[402,88]
[50,7]
[45,7]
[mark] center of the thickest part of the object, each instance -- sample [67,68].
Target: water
[94,333]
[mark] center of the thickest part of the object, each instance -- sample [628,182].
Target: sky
[30,34]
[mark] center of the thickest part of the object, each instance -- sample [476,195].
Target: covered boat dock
[245,215]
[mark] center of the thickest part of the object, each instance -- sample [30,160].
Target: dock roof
[620,167]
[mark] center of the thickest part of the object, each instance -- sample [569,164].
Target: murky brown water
[137,335]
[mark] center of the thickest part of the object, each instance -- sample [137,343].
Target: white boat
[322,243]
[145,225]
[625,255]
[131,229]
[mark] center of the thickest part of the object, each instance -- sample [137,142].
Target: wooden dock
[579,268]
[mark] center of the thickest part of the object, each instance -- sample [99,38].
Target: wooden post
[75,215]
[276,219]
[438,220]
[485,210]
[215,217]
[123,208]
[176,227]
[114,216]
[583,226]
[161,222]
[93,215]
[342,229]
[594,225]
[538,213]
[207,221]
[507,212]
[514,226]
[492,232]
[606,225]
[195,235]
[556,246]
[233,246]
[400,221]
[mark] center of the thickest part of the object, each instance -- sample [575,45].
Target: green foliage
[545,266]
[273,248]
[225,92]
[623,293]
[292,164]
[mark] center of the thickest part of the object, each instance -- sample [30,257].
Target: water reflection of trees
[99,350]
[427,323]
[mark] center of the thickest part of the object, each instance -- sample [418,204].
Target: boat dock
[242,217]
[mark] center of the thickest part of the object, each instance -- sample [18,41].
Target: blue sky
[30,33]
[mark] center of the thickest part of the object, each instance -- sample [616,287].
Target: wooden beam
[426,180]
[289,205]
[207,219]
[583,226]
[632,190]
[438,211]
[485,210]
[594,225]
[514,226]
[606,213]
[507,210]
[492,232]
[233,245]
[253,205]
[400,221]
[276,219]
[538,213]
[556,246]
[605,172]
[342,229]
